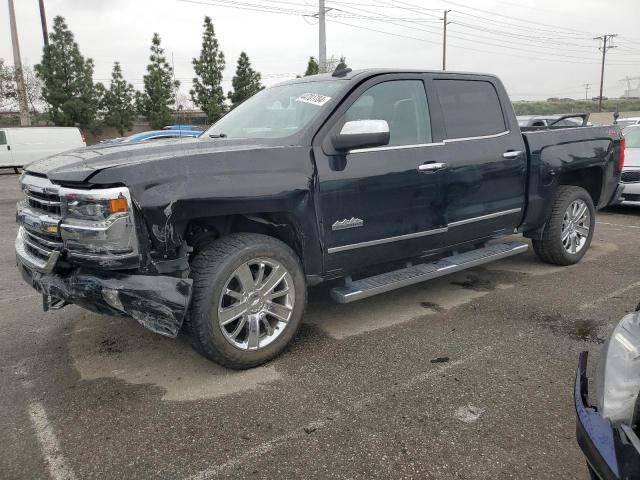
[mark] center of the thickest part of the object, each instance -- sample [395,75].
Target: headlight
[619,371]
[98,222]
[95,209]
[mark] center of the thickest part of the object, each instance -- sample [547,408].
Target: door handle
[431,167]
[512,154]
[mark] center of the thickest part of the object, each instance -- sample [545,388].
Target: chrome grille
[630,176]
[41,194]
[39,216]
[40,245]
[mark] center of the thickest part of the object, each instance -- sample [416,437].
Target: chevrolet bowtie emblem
[347,223]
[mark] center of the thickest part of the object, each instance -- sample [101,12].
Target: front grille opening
[54,209]
[631,177]
[51,197]
[43,242]
[36,253]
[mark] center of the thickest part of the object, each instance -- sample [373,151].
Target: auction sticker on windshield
[313,99]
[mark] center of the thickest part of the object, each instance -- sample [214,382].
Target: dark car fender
[272,186]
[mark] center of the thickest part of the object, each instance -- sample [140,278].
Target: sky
[539,48]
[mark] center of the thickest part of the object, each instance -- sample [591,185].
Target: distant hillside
[574,106]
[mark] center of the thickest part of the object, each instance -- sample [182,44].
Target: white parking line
[58,469]
[615,293]
[365,402]
[617,225]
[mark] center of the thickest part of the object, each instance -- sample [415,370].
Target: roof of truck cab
[358,75]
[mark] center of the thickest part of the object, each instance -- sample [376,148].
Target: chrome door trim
[433,144]
[425,233]
[395,147]
[381,241]
[481,137]
[484,217]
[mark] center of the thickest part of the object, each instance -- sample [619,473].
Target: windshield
[276,112]
[631,137]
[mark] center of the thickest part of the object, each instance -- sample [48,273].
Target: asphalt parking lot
[468,376]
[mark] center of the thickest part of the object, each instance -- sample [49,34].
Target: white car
[631,171]
[20,146]
[627,122]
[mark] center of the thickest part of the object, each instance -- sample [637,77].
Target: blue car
[195,128]
[159,135]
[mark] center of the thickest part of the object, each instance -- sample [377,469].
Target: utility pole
[43,21]
[322,37]
[25,121]
[444,40]
[606,45]
[587,86]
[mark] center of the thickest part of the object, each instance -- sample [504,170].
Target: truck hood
[632,157]
[79,165]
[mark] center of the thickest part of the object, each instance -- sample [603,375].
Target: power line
[560,29]
[467,38]
[472,39]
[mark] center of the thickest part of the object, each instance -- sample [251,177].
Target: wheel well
[201,232]
[588,178]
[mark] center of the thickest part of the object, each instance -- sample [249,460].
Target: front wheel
[248,300]
[569,230]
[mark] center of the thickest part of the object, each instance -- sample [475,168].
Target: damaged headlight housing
[98,223]
[619,372]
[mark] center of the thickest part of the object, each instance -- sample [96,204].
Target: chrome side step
[385,282]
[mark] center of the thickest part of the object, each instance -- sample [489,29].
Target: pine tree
[312,67]
[159,87]
[67,79]
[246,81]
[118,102]
[207,92]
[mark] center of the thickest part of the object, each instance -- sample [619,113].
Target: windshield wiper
[218,135]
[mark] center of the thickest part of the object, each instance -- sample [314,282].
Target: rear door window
[471,108]
[403,104]
[3,138]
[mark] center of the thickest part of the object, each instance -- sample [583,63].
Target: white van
[19,146]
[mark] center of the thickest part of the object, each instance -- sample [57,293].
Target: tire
[552,247]
[222,288]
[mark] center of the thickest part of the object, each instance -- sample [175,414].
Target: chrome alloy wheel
[576,225]
[256,304]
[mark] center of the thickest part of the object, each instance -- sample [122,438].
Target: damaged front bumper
[159,303]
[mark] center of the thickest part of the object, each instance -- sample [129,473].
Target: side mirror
[361,134]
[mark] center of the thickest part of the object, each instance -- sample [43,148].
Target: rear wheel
[569,230]
[249,296]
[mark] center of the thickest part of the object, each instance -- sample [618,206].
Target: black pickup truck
[375,179]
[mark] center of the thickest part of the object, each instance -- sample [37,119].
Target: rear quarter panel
[556,153]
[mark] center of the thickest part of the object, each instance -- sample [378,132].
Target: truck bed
[556,154]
